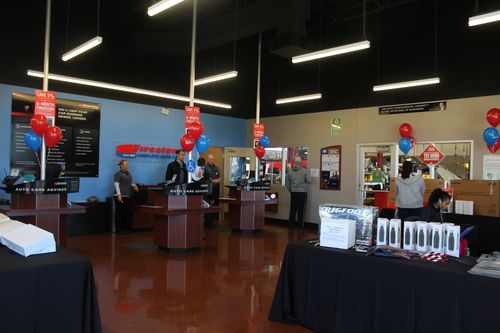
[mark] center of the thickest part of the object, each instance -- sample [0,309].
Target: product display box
[437,237]
[382,231]
[422,236]
[410,235]
[395,233]
[484,193]
[452,240]
[364,218]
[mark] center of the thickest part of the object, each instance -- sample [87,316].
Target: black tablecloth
[331,290]
[52,292]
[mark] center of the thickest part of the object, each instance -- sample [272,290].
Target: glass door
[377,164]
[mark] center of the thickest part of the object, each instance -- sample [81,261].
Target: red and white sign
[449,190]
[258,131]
[45,103]
[191,114]
[431,155]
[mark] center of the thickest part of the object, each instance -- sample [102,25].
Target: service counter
[44,204]
[178,215]
[246,206]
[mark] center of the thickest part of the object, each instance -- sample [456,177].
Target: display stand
[44,204]
[246,207]
[178,217]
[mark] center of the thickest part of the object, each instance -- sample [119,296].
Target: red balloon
[405,130]
[493,117]
[52,136]
[188,142]
[493,148]
[259,151]
[413,141]
[39,124]
[195,129]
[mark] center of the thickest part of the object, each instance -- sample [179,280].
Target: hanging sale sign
[45,103]
[191,114]
[431,155]
[258,131]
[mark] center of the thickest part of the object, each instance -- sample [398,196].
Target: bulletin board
[330,172]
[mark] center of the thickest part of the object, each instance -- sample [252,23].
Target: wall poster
[330,168]
[76,155]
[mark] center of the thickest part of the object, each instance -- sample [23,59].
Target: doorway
[377,163]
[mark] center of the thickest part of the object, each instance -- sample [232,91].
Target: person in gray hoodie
[409,192]
[296,181]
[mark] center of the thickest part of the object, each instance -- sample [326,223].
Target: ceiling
[154,52]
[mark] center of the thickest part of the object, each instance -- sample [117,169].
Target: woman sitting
[438,201]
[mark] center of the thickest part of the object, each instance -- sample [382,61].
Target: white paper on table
[337,233]
[9,226]
[4,218]
[29,240]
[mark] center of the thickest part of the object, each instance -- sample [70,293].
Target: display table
[178,219]
[330,290]
[52,292]
[246,208]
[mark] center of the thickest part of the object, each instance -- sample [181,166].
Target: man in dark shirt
[176,170]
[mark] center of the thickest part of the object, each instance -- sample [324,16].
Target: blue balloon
[264,141]
[32,140]
[405,145]
[191,166]
[490,135]
[202,144]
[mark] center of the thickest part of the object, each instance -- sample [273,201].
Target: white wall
[464,119]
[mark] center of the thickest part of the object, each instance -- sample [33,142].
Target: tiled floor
[228,286]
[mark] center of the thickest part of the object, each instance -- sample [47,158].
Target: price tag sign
[45,103]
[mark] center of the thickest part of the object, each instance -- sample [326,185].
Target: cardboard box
[382,231]
[337,233]
[395,233]
[364,217]
[409,235]
[422,236]
[452,247]
[430,185]
[484,193]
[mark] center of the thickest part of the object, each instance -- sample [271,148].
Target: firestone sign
[132,150]
[431,155]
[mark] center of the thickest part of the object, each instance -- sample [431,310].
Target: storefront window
[279,159]
[456,162]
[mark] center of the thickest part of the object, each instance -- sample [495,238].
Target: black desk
[329,290]
[47,293]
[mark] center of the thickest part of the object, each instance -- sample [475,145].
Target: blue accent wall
[123,122]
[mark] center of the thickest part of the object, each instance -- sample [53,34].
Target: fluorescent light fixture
[298,98]
[331,52]
[485,18]
[161,6]
[57,77]
[217,77]
[406,84]
[82,48]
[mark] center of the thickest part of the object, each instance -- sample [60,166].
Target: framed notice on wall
[76,155]
[330,168]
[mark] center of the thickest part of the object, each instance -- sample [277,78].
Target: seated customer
[438,201]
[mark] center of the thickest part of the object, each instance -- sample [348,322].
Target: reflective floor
[228,286]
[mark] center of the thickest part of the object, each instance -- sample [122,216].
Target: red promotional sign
[45,103]
[258,131]
[431,155]
[191,114]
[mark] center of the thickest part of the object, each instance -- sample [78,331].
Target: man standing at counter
[176,170]
[297,179]
[213,173]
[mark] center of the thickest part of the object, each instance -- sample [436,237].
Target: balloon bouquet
[490,135]
[407,141]
[194,137]
[260,150]
[40,127]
